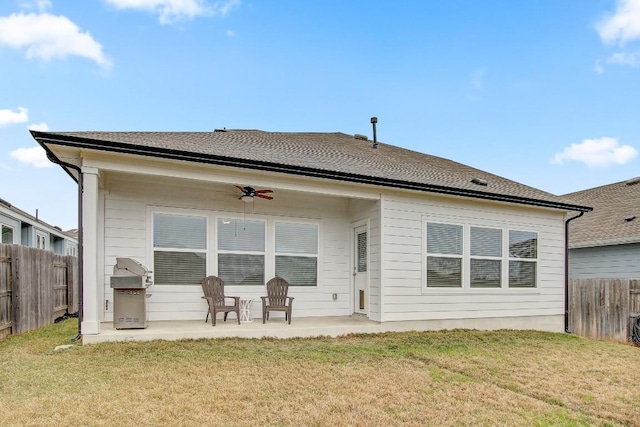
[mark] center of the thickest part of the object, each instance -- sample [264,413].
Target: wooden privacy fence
[603,309]
[36,287]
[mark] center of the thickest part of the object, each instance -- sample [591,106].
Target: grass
[428,378]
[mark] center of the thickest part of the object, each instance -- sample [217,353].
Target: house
[20,228]
[357,227]
[606,243]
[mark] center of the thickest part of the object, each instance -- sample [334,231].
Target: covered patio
[276,327]
[300,327]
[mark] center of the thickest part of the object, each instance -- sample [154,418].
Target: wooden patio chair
[277,299]
[213,288]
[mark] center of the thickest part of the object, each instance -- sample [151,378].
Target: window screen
[241,269]
[523,245]
[180,248]
[444,271]
[241,247]
[179,268]
[296,258]
[179,231]
[241,235]
[485,265]
[444,239]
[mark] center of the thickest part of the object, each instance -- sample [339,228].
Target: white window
[444,255]
[7,234]
[523,255]
[241,251]
[475,257]
[486,257]
[179,249]
[297,253]
[41,241]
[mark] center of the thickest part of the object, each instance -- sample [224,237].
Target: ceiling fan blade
[262,196]
[264,191]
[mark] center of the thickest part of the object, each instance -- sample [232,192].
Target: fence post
[15,297]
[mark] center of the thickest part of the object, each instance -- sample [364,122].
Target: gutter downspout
[566,271]
[80,181]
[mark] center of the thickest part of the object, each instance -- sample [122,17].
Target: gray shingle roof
[328,155]
[606,225]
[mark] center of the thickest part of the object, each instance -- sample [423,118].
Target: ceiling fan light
[246,198]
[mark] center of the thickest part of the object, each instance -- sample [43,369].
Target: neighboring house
[605,244]
[20,228]
[356,227]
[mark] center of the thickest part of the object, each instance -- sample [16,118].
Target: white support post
[90,318]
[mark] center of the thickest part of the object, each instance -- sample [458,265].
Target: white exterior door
[360,271]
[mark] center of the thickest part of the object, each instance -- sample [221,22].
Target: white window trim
[466,258]
[42,235]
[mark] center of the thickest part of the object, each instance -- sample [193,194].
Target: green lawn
[429,378]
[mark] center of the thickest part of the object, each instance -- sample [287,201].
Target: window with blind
[444,255]
[179,249]
[476,257]
[296,253]
[241,252]
[523,255]
[485,265]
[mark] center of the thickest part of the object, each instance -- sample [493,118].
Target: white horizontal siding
[127,234]
[405,297]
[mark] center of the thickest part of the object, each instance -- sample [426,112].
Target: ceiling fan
[248,194]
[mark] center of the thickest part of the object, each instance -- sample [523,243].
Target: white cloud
[224,7]
[8,117]
[598,68]
[47,36]
[477,77]
[627,59]
[631,59]
[623,26]
[35,156]
[599,152]
[42,127]
[40,5]
[174,10]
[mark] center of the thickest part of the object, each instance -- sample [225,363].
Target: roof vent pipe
[374,120]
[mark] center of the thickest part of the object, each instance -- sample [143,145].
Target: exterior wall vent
[360,137]
[633,181]
[479,181]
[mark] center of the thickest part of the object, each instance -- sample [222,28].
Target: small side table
[245,310]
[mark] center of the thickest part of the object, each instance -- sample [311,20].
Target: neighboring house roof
[324,155]
[22,216]
[611,221]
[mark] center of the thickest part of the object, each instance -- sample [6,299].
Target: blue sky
[543,92]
